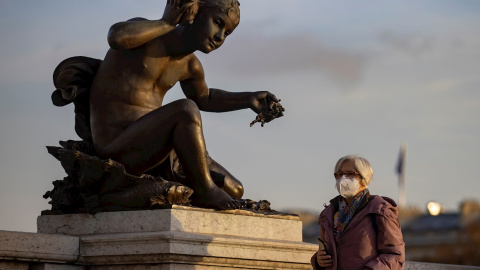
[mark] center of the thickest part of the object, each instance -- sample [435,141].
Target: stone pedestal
[184,238]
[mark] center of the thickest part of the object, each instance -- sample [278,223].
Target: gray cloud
[415,45]
[249,54]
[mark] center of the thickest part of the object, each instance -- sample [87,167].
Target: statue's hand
[267,106]
[175,9]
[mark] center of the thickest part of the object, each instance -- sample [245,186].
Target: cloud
[414,45]
[248,55]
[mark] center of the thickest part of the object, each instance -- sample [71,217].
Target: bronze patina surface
[127,130]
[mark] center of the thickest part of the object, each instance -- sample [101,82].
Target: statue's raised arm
[138,31]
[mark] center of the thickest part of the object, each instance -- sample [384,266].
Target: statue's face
[212,26]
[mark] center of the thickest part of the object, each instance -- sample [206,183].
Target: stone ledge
[38,247]
[186,219]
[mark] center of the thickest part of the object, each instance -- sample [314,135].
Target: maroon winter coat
[361,245]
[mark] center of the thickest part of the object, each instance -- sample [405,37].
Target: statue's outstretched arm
[138,31]
[217,100]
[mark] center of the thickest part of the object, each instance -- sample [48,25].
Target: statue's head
[216,19]
[229,7]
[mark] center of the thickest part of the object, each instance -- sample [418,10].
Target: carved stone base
[184,238]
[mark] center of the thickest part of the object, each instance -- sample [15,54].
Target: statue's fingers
[270,118]
[272,97]
[271,105]
[185,6]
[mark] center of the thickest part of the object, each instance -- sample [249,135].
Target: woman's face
[212,26]
[348,169]
[348,166]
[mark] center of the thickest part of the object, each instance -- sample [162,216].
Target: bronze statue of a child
[130,123]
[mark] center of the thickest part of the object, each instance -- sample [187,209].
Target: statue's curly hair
[227,6]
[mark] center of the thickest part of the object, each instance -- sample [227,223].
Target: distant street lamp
[434,208]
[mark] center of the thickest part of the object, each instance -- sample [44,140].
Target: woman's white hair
[362,166]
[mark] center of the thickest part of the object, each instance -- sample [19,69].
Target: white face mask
[347,187]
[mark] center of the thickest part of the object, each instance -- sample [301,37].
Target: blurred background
[355,77]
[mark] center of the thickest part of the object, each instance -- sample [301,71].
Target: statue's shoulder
[137,19]
[195,67]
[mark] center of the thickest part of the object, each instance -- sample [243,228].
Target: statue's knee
[189,110]
[236,191]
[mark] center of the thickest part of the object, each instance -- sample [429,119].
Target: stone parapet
[26,251]
[39,247]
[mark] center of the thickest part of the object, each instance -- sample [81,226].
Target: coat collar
[334,202]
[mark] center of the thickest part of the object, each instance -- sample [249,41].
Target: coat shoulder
[381,205]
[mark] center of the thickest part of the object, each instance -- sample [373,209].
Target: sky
[355,77]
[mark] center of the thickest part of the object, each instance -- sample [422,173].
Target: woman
[358,230]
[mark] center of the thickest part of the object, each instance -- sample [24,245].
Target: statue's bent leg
[148,141]
[225,180]
[220,176]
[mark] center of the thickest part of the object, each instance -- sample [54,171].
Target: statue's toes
[238,204]
[229,206]
[234,204]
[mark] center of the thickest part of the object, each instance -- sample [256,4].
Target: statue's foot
[214,198]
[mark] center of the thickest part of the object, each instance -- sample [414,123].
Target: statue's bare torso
[121,96]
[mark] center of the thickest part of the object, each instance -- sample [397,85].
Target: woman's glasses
[339,175]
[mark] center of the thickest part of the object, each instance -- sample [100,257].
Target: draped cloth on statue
[73,79]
